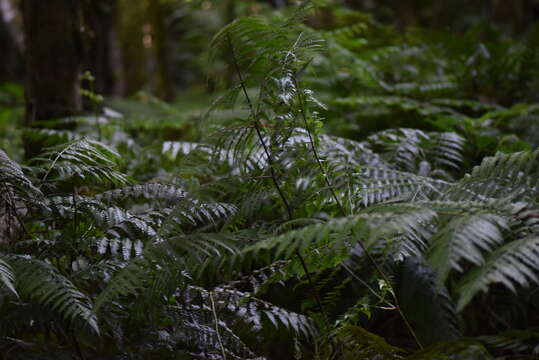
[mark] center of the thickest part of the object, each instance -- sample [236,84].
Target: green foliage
[255,232]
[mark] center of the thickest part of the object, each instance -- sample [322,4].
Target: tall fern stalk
[275,182]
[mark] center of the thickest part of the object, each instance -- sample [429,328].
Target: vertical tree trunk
[53,62]
[101,47]
[161,78]
[132,33]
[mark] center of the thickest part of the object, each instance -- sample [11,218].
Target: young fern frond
[255,41]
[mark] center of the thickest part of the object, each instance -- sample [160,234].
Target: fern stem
[54,163]
[274,179]
[217,326]
[377,267]
[313,147]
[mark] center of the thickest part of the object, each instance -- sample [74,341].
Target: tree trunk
[133,33]
[101,48]
[53,62]
[161,77]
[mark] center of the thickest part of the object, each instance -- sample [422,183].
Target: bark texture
[53,42]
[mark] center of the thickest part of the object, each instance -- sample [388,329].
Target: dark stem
[377,267]
[77,346]
[275,181]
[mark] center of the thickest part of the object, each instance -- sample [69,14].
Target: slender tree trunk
[101,48]
[134,35]
[53,62]
[161,77]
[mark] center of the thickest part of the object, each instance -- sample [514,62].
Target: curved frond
[15,184]
[84,159]
[39,281]
[465,237]
[516,263]
[7,277]
[503,175]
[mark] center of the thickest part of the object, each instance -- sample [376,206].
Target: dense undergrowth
[358,194]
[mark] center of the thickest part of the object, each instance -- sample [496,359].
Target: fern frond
[465,237]
[174,148]
[378,185]
[151,193]
[426,302]
[171,256]
[515,342]
[409,149]
[365,227]
[127,281]
[253,311]
[196,213]
[39,281]
[16,182]
[7,277]
[201,337]
[516,263]
[359,343]
[84,158]
[126,248]
[503,175]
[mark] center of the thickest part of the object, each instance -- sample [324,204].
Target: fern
[7,276]
[512,264]
[503,175]
[465,238]
[82,158]
[36,280]
[17,186]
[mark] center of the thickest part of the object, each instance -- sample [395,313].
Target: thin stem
[377,267]
[315,151]
[274,179]
[55,161]
[217,326]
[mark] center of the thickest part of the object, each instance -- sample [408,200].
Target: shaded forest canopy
[269,179]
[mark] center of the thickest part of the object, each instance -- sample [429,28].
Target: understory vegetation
[356,193]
